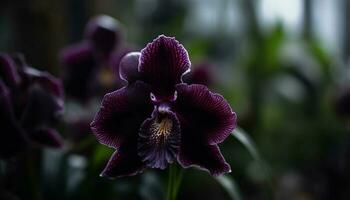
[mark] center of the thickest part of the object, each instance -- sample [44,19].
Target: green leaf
[230,186]
[248,143]
[101,155]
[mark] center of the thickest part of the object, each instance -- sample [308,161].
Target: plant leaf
[230,186]
[248,143]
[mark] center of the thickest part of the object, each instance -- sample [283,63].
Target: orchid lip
[159,138]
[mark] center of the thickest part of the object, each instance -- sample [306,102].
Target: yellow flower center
[161,129]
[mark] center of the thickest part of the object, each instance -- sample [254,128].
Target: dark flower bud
[200,74]
[104,33]
[128,68]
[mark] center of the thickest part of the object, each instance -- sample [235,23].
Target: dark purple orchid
[156,119]
[82,62]
[80,67]
[104,34]
[30,102]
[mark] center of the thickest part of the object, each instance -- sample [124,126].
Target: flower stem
[174,181]
[169,189]
[177,183]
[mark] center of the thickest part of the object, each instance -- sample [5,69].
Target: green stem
[177,182]
[174,181]
[170,182]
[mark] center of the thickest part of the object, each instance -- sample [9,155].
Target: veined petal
[163,62]
[205,115]
[121,114]
[124,162]
[206,157]
[206,119]
[159,139]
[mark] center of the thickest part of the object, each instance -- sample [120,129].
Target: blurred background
[281,64]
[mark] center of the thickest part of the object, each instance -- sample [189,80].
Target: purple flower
[30,102]
[85,63]
[156,119]
[104,33]
[80,67]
